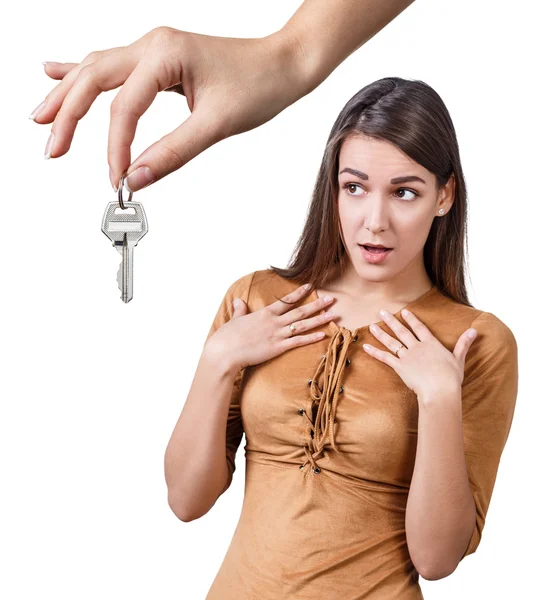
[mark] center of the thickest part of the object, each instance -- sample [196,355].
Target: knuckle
[170,159]
[163,34]
[87,72]
[93,56]
[301,312]
[267,312]
[119,107]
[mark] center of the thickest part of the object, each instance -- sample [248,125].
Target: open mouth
[375,250]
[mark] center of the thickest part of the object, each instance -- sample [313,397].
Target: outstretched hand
[231,86]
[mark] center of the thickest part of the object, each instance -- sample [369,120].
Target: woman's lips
[375,255]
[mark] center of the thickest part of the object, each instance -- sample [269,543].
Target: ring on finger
[292,327]
[396,352]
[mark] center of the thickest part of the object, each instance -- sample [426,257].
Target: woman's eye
[347,186]
[407,190]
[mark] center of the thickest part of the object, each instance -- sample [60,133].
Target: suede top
[330,445]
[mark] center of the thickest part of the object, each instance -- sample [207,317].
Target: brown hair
[412,116]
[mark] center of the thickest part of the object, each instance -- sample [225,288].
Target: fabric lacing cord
[325,397]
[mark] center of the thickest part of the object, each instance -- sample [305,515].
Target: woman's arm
[196,469]
[462,433]
[200,456]
[326,32]
[231,85]
[440,515]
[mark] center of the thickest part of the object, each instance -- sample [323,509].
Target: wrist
[288,49]
[447,395]
[220,360]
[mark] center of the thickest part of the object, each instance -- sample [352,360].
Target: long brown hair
[412,116]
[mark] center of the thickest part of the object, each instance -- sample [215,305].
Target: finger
[402,333]
[132,101]
[105,74]
[239,307]
[421,330]
[464,343]
[389,341]
[56,70]
[56,97]
[201,130]
[283,304]
[386,357]
[300,314]
[307,324]
[301,340]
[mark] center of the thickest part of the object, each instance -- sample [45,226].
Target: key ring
[120,192]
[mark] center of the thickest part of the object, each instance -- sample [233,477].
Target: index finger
[132,101]
[282,305]
[104,74]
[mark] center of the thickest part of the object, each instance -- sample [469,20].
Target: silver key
[125,228]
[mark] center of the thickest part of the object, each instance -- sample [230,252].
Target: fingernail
[49,146]
[472,334]
[37,110]
[112,180]
[139,179]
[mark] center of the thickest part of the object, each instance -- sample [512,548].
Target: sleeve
[489,393]
[235,430]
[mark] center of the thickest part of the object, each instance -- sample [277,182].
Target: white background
[91,388]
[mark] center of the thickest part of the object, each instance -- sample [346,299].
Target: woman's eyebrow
[403,179]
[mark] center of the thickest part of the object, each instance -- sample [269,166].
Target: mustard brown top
[331,436]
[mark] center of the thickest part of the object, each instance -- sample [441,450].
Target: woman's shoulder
[494,337]
[492,358]
[262,287]
[259,288]
[461,316]
[493,349]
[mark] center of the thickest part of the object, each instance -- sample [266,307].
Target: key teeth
[119,277]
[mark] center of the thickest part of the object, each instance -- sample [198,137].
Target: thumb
[464,343]
[239,308]
[198,132]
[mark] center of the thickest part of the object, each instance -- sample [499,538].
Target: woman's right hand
[231,86]
[252,338]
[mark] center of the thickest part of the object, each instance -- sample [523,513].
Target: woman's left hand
[423,363]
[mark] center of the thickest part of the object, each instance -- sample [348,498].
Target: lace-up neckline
[325,386]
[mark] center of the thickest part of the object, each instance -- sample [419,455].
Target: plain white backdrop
[91,388]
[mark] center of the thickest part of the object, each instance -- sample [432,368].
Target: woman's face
[374,210]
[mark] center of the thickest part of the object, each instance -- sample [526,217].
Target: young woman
[372,439]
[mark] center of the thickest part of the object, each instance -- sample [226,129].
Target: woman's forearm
[326,32]
[441,513]
[195,460]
